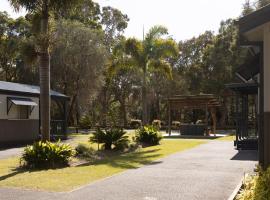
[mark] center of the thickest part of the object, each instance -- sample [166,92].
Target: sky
[183,18]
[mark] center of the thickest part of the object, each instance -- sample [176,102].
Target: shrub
[85,122]
[157,124]
[256,187]
[113,138]
[148,136]
[83,150]
[135,123]
[46,155]
[176,124]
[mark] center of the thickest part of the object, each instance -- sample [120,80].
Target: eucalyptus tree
[77,59]
[154,52]
[247,8]
[13,34]
[262,3]
[42,10]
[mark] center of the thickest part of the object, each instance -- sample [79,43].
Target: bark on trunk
[45,76]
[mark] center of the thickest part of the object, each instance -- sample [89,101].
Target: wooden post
[206,119]
[214,119]
[65,106]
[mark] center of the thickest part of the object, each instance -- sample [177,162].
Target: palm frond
[156,32]
[162,67]
[165,48]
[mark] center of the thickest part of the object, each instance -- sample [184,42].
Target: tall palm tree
[154,52]
[43,8]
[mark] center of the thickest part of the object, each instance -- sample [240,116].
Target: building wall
[14,130]
[18,131]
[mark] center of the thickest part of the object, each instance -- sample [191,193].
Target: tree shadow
[15,171]
[246,155]
[129,160]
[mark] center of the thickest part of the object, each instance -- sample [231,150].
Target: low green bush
[148,136]
[113,138]
[46,155]
[256,187]
[85,151]
[85,122]
[135,123]
[157,124]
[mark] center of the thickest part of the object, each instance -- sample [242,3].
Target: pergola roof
[193,101]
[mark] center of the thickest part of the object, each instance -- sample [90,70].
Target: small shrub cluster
[84,151]
[85,122]
[113,138]
[135,123]
[157,124]
[148,136]
[256,187]
[46,155]
[176,124]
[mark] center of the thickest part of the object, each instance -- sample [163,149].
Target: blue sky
[183,18]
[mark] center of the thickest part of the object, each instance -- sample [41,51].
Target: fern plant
[113,138]
[46,155]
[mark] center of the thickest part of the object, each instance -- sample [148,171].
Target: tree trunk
[144,103]
[224,113]
[123,111]
[44,70]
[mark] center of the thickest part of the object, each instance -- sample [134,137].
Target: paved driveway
[208,172]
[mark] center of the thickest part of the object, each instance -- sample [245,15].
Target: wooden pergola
[207,102]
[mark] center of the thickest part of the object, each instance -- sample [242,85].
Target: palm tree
[43,8]
[154,52]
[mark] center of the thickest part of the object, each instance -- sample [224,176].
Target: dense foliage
[256,187]
[148,136]
[46,155]
[112,138]
[112,79]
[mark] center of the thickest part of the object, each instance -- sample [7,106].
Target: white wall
[13,113]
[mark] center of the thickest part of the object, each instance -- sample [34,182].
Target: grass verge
[69,178]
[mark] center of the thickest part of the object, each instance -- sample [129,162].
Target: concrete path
[208,172]
[12,152]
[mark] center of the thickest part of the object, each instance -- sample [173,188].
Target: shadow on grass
[131,160]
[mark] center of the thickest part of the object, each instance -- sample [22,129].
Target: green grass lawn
[73,177]
[227,138]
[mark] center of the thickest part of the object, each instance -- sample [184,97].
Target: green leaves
[47,155]
[112,138]
[148,136]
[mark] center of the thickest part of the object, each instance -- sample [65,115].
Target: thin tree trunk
[123,111]
[144,103]
[45,75]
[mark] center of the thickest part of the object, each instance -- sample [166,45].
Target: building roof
[254,19]
[25,90]
[243,88]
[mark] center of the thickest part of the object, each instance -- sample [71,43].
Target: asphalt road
[208,172]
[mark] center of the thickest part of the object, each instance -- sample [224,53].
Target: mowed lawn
[70,178]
